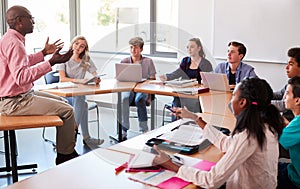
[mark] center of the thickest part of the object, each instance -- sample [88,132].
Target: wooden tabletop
[26,122]
[105,86]
[154,87]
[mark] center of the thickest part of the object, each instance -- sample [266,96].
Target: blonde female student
[250,152]
[74,70]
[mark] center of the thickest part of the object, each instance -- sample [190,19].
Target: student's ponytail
[259,110]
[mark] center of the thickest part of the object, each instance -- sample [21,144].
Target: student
[289,173]
[292,69]
[190,68]
[18,71]
[140,99]
[72,71]
[235,69]
[250,153]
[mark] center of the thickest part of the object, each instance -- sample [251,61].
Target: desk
[161,89]
[105,86]
[93,170]
[12,123]
[137,143]
[96,168]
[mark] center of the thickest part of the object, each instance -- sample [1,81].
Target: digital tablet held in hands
[87,81]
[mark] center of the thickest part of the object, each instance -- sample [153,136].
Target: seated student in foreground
[289,173]
[250,152]
[235,69]
[190,68]
[140,99]
[74,70]
[292,69]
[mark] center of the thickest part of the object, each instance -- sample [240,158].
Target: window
[111,23]
[51,20]
[165,27]
[108,24]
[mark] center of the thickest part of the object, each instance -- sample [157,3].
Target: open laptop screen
[215,81]
[128,72]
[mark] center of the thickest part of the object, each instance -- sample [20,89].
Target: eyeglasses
[29,17]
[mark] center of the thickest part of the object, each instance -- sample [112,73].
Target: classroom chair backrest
[51,77]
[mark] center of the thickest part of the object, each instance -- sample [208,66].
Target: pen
[121,167]
[177,127]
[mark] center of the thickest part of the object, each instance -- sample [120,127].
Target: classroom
[111,32]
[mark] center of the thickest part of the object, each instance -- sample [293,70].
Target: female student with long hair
[74,70]
[189,68]
[250,152]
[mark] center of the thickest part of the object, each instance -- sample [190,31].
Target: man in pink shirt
[18,71]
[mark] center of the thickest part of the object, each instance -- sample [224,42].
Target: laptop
[128,72]
[215,81]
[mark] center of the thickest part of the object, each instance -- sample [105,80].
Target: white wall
[197,17]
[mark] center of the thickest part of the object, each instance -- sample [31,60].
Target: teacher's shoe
[61,158]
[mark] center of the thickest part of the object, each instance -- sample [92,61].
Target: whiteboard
[268,28]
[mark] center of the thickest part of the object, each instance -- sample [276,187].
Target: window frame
[75,25]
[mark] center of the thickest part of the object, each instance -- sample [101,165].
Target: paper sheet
[185,134]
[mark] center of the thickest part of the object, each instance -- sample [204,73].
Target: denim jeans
[81,113]
[140,100]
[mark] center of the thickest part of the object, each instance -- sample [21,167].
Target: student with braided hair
[250,152]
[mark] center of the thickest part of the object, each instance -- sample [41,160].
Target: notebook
[215,81]
[128,72]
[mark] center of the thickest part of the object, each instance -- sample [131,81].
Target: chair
[53,77]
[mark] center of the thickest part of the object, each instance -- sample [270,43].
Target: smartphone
[169,108]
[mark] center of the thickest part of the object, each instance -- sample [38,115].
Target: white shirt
[243,165]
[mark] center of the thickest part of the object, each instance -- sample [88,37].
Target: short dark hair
[137,41]
[241,47]
[295,83]
[295,53]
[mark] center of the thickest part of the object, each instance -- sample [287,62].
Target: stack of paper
[182,82]
[191,90]
[185,134]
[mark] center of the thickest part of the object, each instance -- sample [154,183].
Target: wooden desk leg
[13,155]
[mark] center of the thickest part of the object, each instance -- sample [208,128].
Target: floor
[33,149]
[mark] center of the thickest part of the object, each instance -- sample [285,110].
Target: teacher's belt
[9,97]
[17,96]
